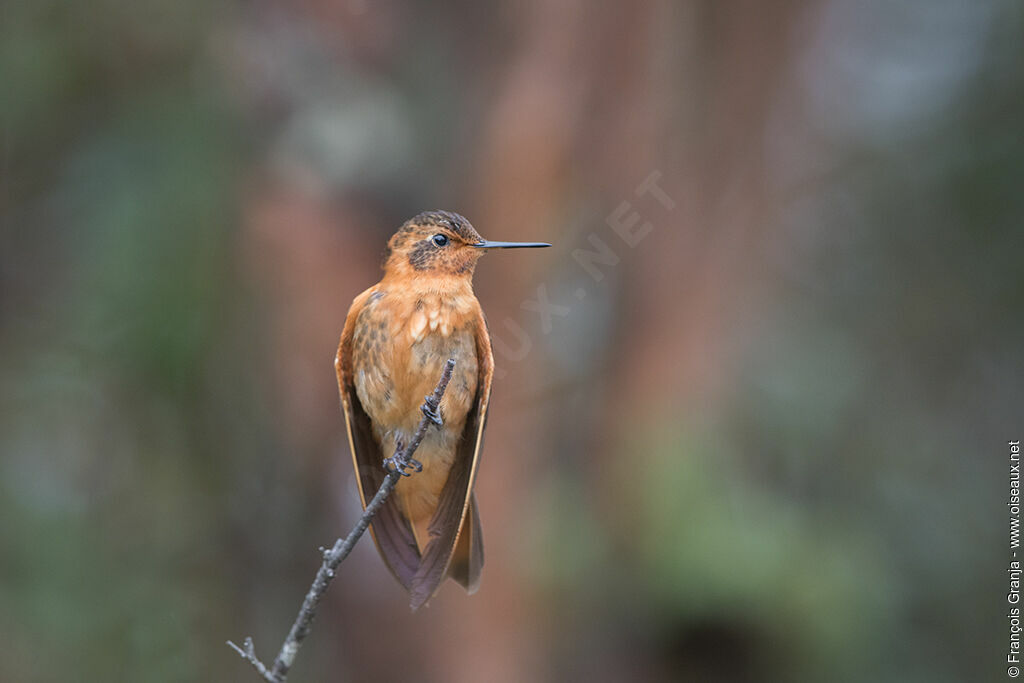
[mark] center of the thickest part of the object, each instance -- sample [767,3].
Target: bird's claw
[397,464]
[432,413]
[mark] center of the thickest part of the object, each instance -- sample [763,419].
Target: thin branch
[249,654]
[342,547]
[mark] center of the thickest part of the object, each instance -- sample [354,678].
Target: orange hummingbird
[397,338]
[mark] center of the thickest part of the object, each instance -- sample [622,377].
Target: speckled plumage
[400,344]
[398,336]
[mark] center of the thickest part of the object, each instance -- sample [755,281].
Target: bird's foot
[396,463]
[432,411]
[399,462]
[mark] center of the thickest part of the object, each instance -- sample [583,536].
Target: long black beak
[487,244]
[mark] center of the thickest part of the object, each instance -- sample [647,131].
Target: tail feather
[440,559]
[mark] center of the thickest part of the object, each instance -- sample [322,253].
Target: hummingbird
[398,336]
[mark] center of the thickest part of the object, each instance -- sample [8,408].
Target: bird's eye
[440,240]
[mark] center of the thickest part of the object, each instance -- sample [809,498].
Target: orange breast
[401,342]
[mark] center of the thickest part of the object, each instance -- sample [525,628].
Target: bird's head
[440,243]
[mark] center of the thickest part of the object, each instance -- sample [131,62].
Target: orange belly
[397,361]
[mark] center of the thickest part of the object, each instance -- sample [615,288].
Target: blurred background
[750,414]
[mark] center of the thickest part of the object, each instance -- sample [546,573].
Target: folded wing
[389,528]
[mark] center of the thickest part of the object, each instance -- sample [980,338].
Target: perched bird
[398,336]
